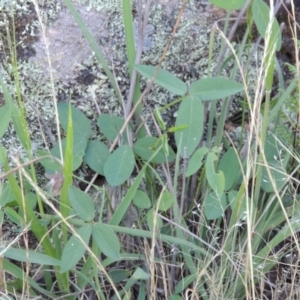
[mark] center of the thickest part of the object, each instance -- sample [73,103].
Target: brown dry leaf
[55,183]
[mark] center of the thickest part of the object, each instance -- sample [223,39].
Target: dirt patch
[67,45]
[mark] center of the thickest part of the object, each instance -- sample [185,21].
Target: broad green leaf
[165,201]
[81,124]
[31,256]
[195,162]
[75,249]
[214,88]
[273,148]
[14,216]
[107,240]
[230,167]
[119,165]
[164,78]
[277,158]
[49,163]
[6,194]
[118,275]
[79,146]
[229,4]
[110,126]
[5,115]
[215,180]
[31,199]
[214,206]
[96,155]
[261,16]
[153,220]
[278,174]
[82,204]
[140,274]
[145,147]
[191,113]
[141,200]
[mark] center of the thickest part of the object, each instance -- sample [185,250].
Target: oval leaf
[96,155]
[107,240]
[165,201]
[261,16]
[274,149]
[119,166]
[118,275]
[214,206]
[215,180]
[79,146]
[278,174]
[145,148]
[164,78]
[82,204]
[5,115]
[195,162]
[81,124]
[140,274]
[14,216]
[190,113]
[50,164]
[214,88]
[141,200]
[230,167]
[75,249]
[6,194]
[31,256]
[229,4]
[110,126]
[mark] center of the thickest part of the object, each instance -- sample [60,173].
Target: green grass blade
[17,272]
[131,57]
[129,34]
[122,208]
[65,207]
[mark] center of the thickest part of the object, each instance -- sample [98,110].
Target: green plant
[218,214]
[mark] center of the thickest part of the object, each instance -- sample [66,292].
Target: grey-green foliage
[288,114]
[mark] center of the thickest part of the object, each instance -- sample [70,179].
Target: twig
[27,164]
